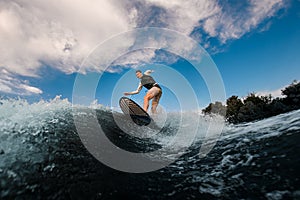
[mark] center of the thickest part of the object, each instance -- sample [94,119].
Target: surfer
[154,90]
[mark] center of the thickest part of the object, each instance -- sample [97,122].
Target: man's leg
[147,98]
[155,102]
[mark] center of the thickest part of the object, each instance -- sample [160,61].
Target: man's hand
[126,93]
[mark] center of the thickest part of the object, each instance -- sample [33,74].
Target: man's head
[138,73]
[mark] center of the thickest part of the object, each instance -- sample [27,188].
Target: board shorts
[156,92]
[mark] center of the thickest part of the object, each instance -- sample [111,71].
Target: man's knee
[147,97]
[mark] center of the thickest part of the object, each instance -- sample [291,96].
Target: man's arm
[136,91]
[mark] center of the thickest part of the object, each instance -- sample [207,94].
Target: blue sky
[263,61]
[254,44]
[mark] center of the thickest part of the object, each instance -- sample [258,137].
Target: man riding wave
[154,90]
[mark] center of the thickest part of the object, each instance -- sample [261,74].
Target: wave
[40,140]
[22,125]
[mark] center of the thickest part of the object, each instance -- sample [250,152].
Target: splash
[25,128]
[40,138]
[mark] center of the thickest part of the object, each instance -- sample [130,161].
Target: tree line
[255,107]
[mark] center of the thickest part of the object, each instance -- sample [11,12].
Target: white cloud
[9,83]
[275,93]
[235,24]
[222,21]
[55,33]
[30,89]
[135,58]
[61,33]
[185,15]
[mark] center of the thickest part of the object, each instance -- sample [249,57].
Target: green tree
[277,107]
[233,107]
[292,93]
[254,99]
[255,107]
[215,108]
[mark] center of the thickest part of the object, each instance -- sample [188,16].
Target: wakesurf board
[137,114]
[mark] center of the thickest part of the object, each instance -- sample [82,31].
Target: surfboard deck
[137,114]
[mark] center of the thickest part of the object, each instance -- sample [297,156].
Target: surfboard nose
[137,114]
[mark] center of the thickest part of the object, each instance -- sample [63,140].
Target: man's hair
[138,71]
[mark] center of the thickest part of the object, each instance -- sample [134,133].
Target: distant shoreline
[255,107]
